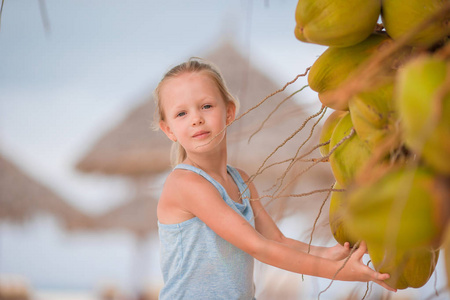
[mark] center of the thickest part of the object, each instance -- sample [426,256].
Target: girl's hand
[338,252]
[355,270]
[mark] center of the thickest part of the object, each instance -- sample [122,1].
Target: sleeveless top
[196,263]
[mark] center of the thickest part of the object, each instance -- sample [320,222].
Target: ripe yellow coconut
[337,217]
[407,268]
[406,208]
[328,128]
[446,247]
[339,23]
[350,156]
[401,16]
[336,64]
[425,117]
[373,114]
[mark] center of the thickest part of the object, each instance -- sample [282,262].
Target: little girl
[211,224]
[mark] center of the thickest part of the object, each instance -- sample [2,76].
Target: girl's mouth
[201,134]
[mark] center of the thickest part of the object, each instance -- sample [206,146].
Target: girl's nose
[197,120]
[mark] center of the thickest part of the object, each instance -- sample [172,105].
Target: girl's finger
[361,250]
[379,279]
[363,246]
[383,284]
[347,246]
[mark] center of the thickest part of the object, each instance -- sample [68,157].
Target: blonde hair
[193,65]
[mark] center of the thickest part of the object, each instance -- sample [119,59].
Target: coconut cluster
[388,135]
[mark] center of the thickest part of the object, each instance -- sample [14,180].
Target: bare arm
[216,214]
[265,225]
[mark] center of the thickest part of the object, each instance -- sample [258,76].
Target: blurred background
[81,169]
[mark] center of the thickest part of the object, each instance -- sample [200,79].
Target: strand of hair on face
[273,111]
[324,158]
[257,105]
[317,217]
[258,172]
[340,269]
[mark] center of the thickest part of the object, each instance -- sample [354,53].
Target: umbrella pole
[139,266]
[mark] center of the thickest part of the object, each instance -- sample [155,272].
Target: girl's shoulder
[243,174]
[184,182]
[180,176]
[180,190]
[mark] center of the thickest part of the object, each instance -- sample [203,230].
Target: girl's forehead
[193,82]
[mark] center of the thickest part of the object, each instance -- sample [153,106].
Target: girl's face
[194,111]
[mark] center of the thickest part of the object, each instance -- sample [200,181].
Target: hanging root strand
[317,218]
[273,111]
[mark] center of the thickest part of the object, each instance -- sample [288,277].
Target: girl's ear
[166,129]
[231,112]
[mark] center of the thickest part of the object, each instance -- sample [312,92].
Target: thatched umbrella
[22,197]
[131,148]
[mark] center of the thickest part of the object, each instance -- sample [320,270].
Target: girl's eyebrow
[178,107]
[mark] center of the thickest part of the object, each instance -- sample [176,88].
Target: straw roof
[131,148]
[21,198]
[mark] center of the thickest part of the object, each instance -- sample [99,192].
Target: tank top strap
[243,188]
[205,175]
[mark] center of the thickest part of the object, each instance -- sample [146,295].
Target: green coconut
[401,16]
[373,114]
[426,132]
[337,217]
[350,156]
[402,209]
[410,268]
[339,23]
[336,64]
[328,128]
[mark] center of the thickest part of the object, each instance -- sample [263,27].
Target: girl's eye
[180,114]
[207,106]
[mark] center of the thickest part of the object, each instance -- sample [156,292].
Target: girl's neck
[215,165]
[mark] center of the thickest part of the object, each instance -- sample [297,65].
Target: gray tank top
[196,263]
